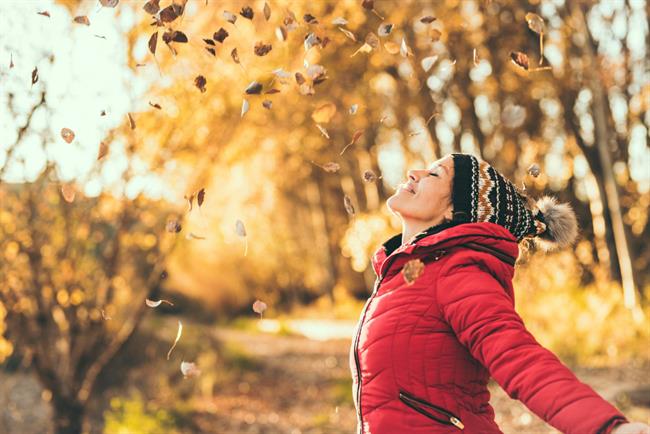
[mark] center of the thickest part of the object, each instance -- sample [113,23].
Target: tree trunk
[68,416]
[611,189]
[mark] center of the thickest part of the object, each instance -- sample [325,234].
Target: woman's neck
[412,228]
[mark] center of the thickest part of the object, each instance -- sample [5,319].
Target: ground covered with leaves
[254,382]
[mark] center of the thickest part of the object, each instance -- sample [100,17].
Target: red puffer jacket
[423,352]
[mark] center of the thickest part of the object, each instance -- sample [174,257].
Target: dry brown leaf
[262,49]
[259,307]
[324,113]
[131,121]
[348,33]
[234,55]
[189,370]
[68,191]
[173,226]
[247,12]
[152,7]
[156,303]
[391,47]
[323,131]
[103,150]
[230,17]
[535,23]
[267,104]
[520,59]
[178,337]
[534,170]
[267,11]
[369,176]
[428,19]
[331,167]
[67,134]
[412,270]
[34,73]
[200,197]
[44,13]
[200,82]
[82,20]
[220,35]
[347,203]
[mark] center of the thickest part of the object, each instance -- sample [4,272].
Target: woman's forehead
[445,162]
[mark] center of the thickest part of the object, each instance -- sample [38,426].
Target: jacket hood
[491,236]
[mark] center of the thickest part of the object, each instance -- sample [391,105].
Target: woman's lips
[408,188]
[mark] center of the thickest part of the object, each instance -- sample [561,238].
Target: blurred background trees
[179,96]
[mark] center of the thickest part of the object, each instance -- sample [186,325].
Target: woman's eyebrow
[440,165]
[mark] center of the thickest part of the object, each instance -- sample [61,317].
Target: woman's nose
[412,175]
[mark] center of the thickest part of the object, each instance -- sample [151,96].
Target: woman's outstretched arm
[481,313]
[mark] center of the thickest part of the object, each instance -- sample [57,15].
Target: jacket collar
[489,235]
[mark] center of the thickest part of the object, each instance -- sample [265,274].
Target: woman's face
[426,196]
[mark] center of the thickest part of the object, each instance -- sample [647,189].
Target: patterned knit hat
[481,194]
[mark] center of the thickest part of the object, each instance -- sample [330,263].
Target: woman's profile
[441,319]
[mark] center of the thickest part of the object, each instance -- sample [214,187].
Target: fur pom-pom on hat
[561,224]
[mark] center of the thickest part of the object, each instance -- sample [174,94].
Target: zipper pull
[457,423]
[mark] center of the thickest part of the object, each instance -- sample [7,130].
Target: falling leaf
[240,229]
[384,29]
[255,88]
[192,236]
[331,167]
[109,3]
[230,17]
[404,49]
[372,40]
[44,13]
[102,113]
[428,19]
[131,121]
[259,307]
[324,113]
[200,83]
[310,40]
[173,226]
[391,47]
[244,107]
[365,48]
[533,169]
[339,21]
[267,104]
[306,89]
[435,35]
[535,23]
[155,105]
[247,12]
[169,14]
[68,191]
[281,33]
[369,176]
[152,7]
[290,21]
[412,270]
[190,201]
[178,336]
[153,41]
[34,75]
[513,116]
[475,57]
[267,11]
[310,19]
[300,79]
[347,202]
[174,36]
[520,59]
[357,134]
[82,20]
[103,150]
[353,109]
[262,49]
[323,131]
[152,303]
[317,73]
[271,91]
[427,62]
[234,55]
[67,134]
[11,61]
[348,33]
[190,370]
[220,35]
[200,197]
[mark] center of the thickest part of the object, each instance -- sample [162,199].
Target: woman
[441,318]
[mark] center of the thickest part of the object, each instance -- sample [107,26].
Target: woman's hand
[632,428]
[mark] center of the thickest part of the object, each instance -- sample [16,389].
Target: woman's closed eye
[433,174]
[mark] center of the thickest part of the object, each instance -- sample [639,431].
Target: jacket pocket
[441,415]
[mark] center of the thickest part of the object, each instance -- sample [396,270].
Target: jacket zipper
[415,404]
[356,345]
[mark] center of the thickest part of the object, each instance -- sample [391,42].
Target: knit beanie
[481,194]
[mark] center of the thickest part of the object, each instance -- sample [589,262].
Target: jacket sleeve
[482,315]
